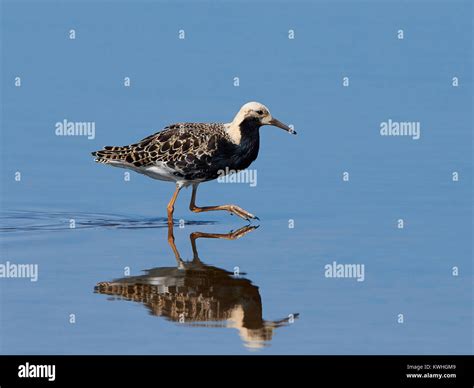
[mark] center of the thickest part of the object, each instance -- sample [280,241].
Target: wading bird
[192,153]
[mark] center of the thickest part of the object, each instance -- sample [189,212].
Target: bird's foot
[238,211]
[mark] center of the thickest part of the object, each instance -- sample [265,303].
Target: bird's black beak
[279,124]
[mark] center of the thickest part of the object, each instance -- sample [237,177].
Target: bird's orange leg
[233,209]
[170,206]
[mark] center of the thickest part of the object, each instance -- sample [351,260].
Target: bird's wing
[182,146]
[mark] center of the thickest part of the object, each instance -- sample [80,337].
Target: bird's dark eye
[260,112]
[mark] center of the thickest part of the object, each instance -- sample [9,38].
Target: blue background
[299,177]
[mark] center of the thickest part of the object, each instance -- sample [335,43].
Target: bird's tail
[113,155]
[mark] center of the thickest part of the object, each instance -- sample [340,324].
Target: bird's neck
[249,133]
[243,131]
[246,138]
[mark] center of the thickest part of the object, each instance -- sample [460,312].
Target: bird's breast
[244,153]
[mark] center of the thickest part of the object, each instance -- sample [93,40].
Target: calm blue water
[120,223]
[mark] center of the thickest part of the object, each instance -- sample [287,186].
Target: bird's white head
[260,115]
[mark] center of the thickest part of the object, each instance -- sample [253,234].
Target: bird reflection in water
[197,294]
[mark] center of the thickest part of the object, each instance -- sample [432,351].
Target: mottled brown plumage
[188,148]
